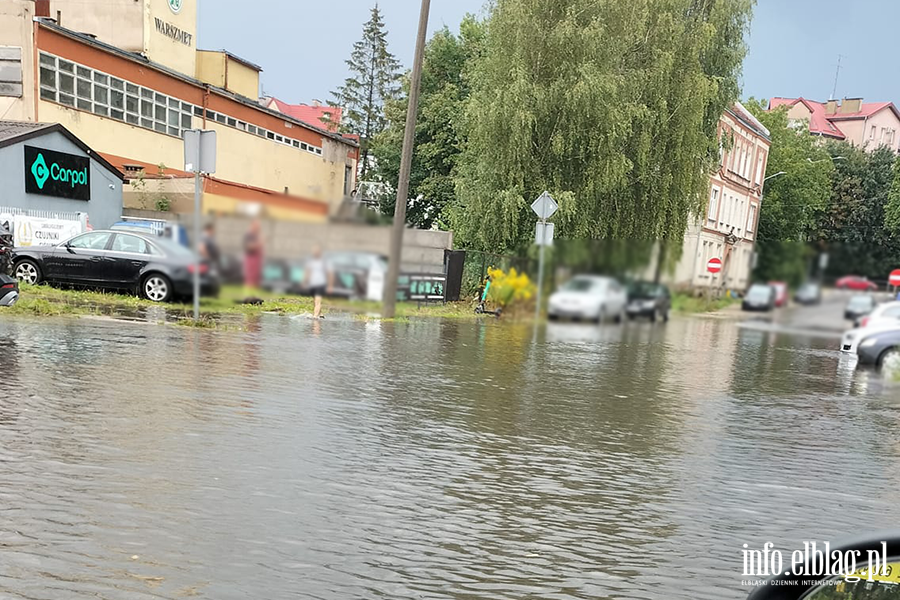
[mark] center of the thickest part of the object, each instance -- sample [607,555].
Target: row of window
[87,89]
[251,128]
[730,214]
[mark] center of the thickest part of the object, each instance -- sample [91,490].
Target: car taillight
[864,322]
[203,269]
[8,286]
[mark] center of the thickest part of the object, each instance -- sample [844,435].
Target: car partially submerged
[647,299]
[760,297]
[589,297]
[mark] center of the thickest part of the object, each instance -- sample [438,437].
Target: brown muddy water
[431,459]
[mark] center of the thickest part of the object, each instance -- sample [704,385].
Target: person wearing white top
[316,279]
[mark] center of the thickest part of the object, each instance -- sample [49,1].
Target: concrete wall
[17,31]
[120,23]
[163,49]
[105,205]
[423,251]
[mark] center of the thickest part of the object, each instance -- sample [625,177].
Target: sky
[794,44]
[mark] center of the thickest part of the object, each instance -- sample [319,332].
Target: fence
[44,214]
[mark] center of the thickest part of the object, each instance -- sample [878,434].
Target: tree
[374,79]
[444,89]
[793,202]
[855,226]
[611,106]
[892,209]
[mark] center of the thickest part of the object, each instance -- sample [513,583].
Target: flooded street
[431,459]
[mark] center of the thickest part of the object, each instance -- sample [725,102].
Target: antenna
[837,74]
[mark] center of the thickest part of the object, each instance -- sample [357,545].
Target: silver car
[589,297]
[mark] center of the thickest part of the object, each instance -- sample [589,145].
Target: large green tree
[374,79]
[855,226]
[794,200]
[611,106]
[444,89]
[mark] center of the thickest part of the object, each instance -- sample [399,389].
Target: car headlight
[868,343]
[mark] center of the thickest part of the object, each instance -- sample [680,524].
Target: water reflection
[426,459]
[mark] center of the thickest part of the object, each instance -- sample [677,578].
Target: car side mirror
[69,248]
[866,568]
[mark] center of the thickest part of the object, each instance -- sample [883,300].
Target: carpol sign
[51,173]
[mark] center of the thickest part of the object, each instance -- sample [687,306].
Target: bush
[510,288]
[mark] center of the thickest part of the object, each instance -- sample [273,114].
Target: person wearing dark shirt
[209,250]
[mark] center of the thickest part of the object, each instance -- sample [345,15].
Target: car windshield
[759,292]
[861,302]
[808,289]
[642,289]
[581,284]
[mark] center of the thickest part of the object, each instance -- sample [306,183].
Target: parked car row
[598,298]
[875,338]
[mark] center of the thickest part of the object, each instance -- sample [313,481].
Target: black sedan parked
[156,268]
[647,299]
[876,348]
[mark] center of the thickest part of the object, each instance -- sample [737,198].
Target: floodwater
[432,459]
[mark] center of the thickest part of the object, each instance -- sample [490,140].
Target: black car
[808,294]
[760,297]
[859,306]
[156,268]
[647,299]
[876,347]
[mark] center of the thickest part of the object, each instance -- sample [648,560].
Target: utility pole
[409,139]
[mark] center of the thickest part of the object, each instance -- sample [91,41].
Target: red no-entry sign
[714,265]
[895,277]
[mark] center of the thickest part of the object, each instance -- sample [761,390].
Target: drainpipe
[36,69]
[205,104]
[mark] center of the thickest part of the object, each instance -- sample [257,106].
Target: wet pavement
[431,459]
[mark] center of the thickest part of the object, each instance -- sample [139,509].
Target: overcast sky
[794,44]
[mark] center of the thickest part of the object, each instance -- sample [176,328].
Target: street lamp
[768,178]
[831,158]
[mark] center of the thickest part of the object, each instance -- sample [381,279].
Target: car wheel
[551,317]
[620,317]
[654,316]
[28,271]
[156,288]
[890,360]
[665,316]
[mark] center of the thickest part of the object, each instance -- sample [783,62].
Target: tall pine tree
[374,78]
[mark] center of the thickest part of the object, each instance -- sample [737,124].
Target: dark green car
[650,300]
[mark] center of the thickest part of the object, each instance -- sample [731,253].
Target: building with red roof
[315,114]
[869,125]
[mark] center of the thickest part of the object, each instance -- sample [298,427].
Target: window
[129,243]
[751,218]
[91,241]
[713,204]
[93,91]
[759,168]
[872,133]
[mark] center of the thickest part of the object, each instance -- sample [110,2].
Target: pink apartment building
[869,125]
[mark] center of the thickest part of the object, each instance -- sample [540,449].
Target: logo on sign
[40,171]
[175,5]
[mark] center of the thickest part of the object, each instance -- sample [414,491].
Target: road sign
[543,234]
[545,206]
[895,277]
[714,265]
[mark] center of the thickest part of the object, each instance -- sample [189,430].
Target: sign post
[894,279]
[199,157]
[713,267]
[543,207]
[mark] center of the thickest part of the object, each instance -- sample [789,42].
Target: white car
[885,317]
[590,297]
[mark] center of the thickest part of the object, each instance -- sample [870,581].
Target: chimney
[851,105]
[831,107]
[317,103]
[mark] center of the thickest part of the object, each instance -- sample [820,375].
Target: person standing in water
[253,255]
[316,279]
